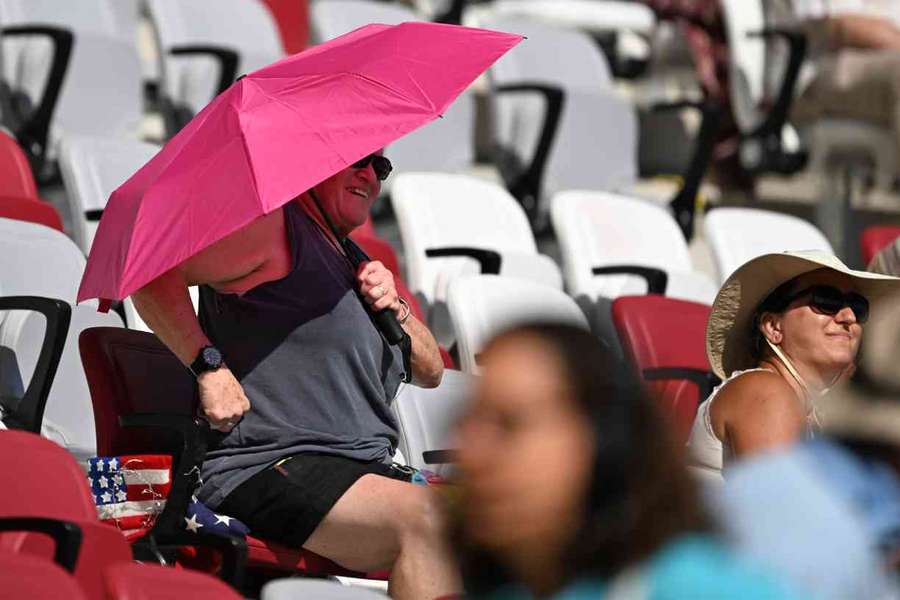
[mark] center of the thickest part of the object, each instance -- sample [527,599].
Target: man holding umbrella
[301,343]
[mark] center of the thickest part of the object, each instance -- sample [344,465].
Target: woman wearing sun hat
[783,329]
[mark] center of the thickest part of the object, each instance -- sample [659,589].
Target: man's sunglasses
[830,300]
[380,164]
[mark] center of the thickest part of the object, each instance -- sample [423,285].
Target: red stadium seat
[33,211]
[24,576]
[16,178]
[666,340]
[876,238]
[148,582]
[133,376]
[40,479]
[293,23]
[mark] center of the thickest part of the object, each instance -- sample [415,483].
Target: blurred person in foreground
[784,328]
[573,488]
[853,69]
[827,511]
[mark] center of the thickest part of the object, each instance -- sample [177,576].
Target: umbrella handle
[387,323]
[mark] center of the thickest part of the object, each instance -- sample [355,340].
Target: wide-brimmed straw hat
[729,336]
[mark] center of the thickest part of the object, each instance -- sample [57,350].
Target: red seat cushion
[33,211]
[16,178]
[876,238]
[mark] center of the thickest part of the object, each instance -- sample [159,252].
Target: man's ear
[770,326]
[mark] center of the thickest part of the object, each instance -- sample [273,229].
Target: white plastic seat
[444,145]
[102,92]
[483,305]
[736,235]
[602,229]
[427,416]
[294,588]
[595,16]
[243,26]
[92,167]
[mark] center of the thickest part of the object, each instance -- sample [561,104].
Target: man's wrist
[402,311]
[208,359]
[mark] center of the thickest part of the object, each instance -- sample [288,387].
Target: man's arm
[861,31]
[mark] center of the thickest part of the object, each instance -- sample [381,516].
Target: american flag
[130,490]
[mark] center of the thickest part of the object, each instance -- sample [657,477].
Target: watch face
[212,357]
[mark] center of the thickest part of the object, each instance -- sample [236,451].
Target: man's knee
[421,516]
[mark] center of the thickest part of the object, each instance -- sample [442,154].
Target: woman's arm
[378,289]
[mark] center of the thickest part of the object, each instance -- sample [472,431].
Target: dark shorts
[286,502]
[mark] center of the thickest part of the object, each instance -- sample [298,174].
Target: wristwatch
[208,359]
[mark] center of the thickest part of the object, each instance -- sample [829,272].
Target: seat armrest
[226,57]
[29,413]
[526,186]
[232,549]
[656,279]
[66,535]
[705,380]
[488,260]
[435,457]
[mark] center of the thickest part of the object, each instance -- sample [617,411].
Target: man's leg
[380,523]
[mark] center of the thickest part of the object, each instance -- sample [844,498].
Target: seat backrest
[598,229]
[102,37]
[747,55]
[442,210]
[658,332]
[132,372]
[244,26]
[135,581]
[33,211]
[331,18]
[39,261]
[595,119]
[736,235]
[302,587]
[877,238]
[92,167]
[16,178]
[427,416]
[36,578]
[481,306]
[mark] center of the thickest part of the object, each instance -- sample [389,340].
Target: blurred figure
[887,261]
[854,49]
[783,330]
[827,512]
[573,487]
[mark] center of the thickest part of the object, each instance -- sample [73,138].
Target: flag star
[192,524]
[103,481]
[223,519]
[113,464]
[99,464]
[121,496]
[194,499]
[106,496]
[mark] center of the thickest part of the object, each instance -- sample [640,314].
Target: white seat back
[736,235]
[598,229]
[437,210]
[748,59]
[483,305]
[245,26]
[92,168]
[69,415]
[104,64]
[427,416]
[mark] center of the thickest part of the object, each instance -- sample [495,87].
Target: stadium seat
[137,383]
[41,480]
[24,576]
[92,167]
[454,225]
[16,177]
[445,145]
[293,589]
[483,305]
[736,235]
[876,238]
[606,230]
[665,339]
[204,45]
[426,417]
[102,36]
[33,211]
[131,581]
[556,111]
[293,23]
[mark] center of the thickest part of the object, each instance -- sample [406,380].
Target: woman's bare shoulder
[758,393]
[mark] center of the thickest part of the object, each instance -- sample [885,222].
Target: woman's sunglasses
[381,165]
[830,300]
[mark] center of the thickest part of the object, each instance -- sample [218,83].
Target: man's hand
[222,399]
[376,284]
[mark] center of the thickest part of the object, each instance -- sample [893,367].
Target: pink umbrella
[276,133]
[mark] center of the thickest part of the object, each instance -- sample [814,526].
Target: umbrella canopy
[274,134]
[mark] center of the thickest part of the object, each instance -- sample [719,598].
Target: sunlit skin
[526,455]
[767,409]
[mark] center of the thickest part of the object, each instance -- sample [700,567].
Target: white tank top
[706,453]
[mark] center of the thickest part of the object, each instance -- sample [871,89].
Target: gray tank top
[318,374]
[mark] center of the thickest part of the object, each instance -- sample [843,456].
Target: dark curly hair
[641,495]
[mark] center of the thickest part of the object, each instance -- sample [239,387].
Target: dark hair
[777,300]
[641,495]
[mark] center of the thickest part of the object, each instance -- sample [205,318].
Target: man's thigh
[362,531]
